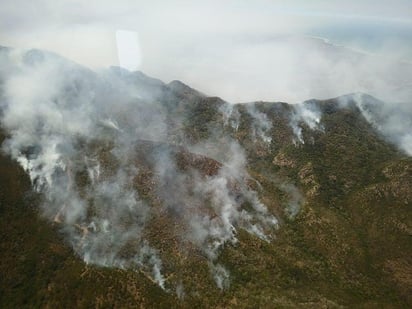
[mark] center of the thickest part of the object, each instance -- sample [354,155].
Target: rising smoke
[393,120]
[109,153]
[307,113]
[97,146]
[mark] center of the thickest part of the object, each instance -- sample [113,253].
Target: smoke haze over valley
[240,51]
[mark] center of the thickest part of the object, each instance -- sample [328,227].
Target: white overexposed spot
[128,49]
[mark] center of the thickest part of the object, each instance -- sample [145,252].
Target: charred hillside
[120,190]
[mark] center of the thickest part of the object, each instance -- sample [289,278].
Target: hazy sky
[208,43]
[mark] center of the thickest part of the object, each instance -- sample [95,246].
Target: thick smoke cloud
[85,139]
[107,151]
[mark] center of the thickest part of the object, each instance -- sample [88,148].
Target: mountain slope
[155,195]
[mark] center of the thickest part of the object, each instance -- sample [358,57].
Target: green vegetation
[349,245]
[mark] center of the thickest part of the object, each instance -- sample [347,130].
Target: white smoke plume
[221,276]
[308,114]
[231,115]
[392,119]
[295,198]
[52,110]
[261,125]
[80,136]
[232,204]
